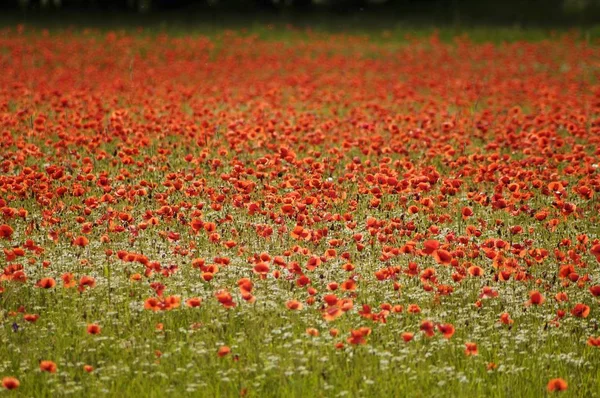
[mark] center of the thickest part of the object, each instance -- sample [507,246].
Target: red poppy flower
[81,241]
[557,385]
[6,232]
[225,298]
[471,349]
[505,319]
[294,305]
[193,302]
[580,310]
[595,250]
[407,336]
[446,329]
[223,351]
[312,332]
[358,336]
[32,318]
[427,327]
[48,366]
[536,298]
[46,283]
[593,341]
[10,383]
[93,329]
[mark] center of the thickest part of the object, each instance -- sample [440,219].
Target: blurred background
[523,13]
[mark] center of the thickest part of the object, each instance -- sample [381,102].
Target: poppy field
[319,214]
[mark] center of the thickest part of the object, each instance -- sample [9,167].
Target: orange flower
[248,297]
[358,336]
[580,310]
[561,296]
[245,285]
[430,246]
[68,280]
[595,250]
[152,303]
[171,302]
[349,285]
[312,332]
[86,281]
[80,241]
[10,383]
[505,319]
[225,298]
[48,366]
[536,298]
[471,349]
[32,318]
[488,292]
[427,328]
[261,268]
[223,351]
[331,313]
[294,305]
[230,244]
[46,283]
[330,299]
[475,270]
[557,385]
[6,232]
[407,336]
[593,341]
[442,256]
[413,309]
[446,329]
[466,212]
[193,302]
[93,329]
[88,368]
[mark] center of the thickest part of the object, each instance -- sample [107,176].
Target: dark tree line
[504,11]
[294,4]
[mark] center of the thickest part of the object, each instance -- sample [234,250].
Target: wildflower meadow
[300,214]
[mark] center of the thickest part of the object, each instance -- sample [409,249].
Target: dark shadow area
[335,13]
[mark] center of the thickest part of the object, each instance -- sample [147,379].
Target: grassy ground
[344,190]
